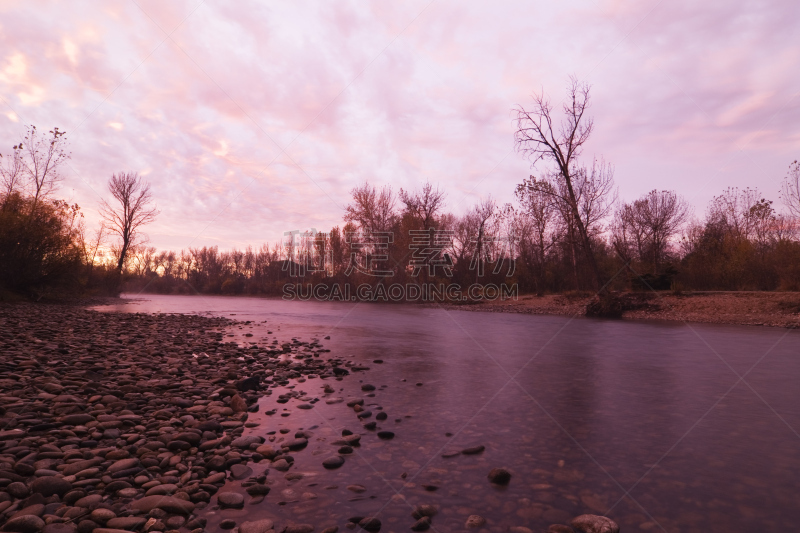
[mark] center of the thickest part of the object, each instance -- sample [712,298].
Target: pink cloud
[685,96]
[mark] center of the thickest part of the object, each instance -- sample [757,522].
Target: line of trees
[45,250]
[566,230]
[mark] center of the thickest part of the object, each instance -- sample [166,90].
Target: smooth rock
[281,465]
[240,471]
[473,450]
[245,442]
[333,462]
[256,526]
[167,503]
[129,523]
[56,527]
[423,524]
[258,490]
[475,521]
[230,500]
[371,524]
[500,476]
[49,485]
[24,524]
[299,528]
[589,523]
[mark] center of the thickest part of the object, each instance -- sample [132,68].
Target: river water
[661,426]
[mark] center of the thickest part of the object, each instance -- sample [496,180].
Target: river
[662,426]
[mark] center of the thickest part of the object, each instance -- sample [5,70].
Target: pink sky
[251,119]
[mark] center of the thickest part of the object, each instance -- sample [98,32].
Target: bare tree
[42,155]
[371,209]
[92,248]
[132,212]
[538,138]
[480,217]
[732,209]
[643,229]
[535,224]
[424,205]
[12,171]
[790,190]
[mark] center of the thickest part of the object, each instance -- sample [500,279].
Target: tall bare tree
[480,216]
[12,170]
[643,229]
[42,157]
[424,205]
[790,190]
[372,210]
[534,223]
[131,211]
[540,139]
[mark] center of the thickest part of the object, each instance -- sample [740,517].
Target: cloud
[252,119]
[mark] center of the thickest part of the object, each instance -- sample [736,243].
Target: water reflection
[598,408]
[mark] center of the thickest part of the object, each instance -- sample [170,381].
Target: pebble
[423,524]
[230,500]
[371,524]
[240,471]
[256,526]
[475,521]
[333,462]
[281,465]
[499,476]
[299,528]
[473,450]
[24,524]
[47,486]
[589,523]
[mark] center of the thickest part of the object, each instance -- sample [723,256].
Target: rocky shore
[114,423]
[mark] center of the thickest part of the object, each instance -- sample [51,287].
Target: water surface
[662,426]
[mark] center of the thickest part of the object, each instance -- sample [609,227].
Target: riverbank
[121,422]
[132,422]
[773,309]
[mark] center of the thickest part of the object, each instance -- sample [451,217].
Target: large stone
[89,502]
[371,524]
[589,523]
[475,521]
[73,468]
[167,503]
[246,384]
[24,524]
[77,419]
[49,485]
[299,528]
[123,464]
[37,509]
[333,462]
[129,523]
[230,500]
[238,404]
[295,444]
[246,441]
[500,476]
[267,451]
[55,527]
[240,471]
[256,526]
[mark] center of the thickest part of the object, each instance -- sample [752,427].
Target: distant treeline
[565,231]
[651,243]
